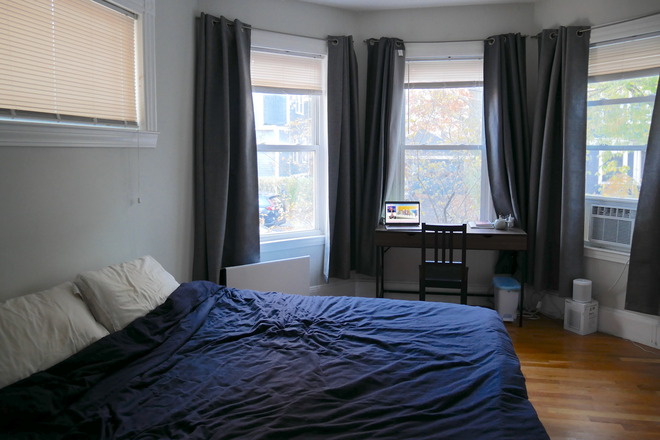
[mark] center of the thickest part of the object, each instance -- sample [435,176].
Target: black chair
[444,270]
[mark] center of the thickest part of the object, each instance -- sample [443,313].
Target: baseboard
[634,326]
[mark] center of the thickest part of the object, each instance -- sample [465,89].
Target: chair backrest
[442,239]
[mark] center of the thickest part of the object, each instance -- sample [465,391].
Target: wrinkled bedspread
[215,362]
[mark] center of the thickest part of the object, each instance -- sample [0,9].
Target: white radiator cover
[286,276]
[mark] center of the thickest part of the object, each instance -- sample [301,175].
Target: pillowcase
[119,294]
[42,329]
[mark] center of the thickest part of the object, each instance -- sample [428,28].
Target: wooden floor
[589,387]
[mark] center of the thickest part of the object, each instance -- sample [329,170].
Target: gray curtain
[384,109]
[343,156]
[225,161]
[643,292]
[558,161]
[507,133]
[507,125]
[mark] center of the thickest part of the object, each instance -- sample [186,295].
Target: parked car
[272,211]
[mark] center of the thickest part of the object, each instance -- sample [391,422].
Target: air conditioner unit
[612,226]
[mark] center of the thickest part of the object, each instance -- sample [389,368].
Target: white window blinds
[286,72]
[624,56]
[439,72]
[69,60]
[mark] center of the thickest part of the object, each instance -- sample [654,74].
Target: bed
[213,362]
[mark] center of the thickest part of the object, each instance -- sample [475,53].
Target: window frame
[449,52]
[291,45]
[23,133]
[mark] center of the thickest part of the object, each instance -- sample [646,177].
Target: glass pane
[622,88]
[286,191]
[614,169]
[619,124]
[282,119]
[612,173]
[445,116]
[446,182]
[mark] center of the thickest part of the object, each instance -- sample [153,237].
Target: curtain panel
[384,110]
[343,157]
[507,125]
[558,161]
[643,291]
[225,159]
[507,134]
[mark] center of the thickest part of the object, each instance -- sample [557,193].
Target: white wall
[65,210]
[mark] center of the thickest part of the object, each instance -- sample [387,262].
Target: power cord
[632,342]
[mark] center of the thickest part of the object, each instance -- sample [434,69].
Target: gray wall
[65,210]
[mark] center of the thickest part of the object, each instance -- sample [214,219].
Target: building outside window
[444,165]
[287,95]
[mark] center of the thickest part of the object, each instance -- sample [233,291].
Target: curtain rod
[598,26]
[490,40]
[247,26]
[612,23]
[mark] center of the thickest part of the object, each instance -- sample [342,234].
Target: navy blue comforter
[214,362]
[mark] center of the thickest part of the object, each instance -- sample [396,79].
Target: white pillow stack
[119,294]
[42,329]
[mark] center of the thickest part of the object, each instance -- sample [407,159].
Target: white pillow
[41,329]
[119,294]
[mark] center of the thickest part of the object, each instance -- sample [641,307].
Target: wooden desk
[514,239]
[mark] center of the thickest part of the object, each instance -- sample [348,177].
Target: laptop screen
[402,213]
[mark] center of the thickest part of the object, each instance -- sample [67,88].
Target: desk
[514,239]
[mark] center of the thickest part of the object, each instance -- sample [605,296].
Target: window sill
[292,243]
[606,255]
[30,134]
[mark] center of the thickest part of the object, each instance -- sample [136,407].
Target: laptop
[402,215]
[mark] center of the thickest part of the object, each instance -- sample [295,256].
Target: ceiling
[373,5]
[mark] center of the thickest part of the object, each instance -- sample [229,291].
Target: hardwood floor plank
[592,387]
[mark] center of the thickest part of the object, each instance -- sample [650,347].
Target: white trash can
[507,294]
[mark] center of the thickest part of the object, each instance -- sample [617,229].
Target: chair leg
[422,285]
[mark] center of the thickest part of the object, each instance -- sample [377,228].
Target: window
[624,65]
[620,105]
[76,73]
[287,91]
[444,165]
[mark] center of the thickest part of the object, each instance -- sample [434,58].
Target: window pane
[286,191]
[283,119]
[618,124]
[444,116]
[446,182]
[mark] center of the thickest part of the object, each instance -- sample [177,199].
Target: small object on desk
[481,224]
[500,223]
[510,221]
